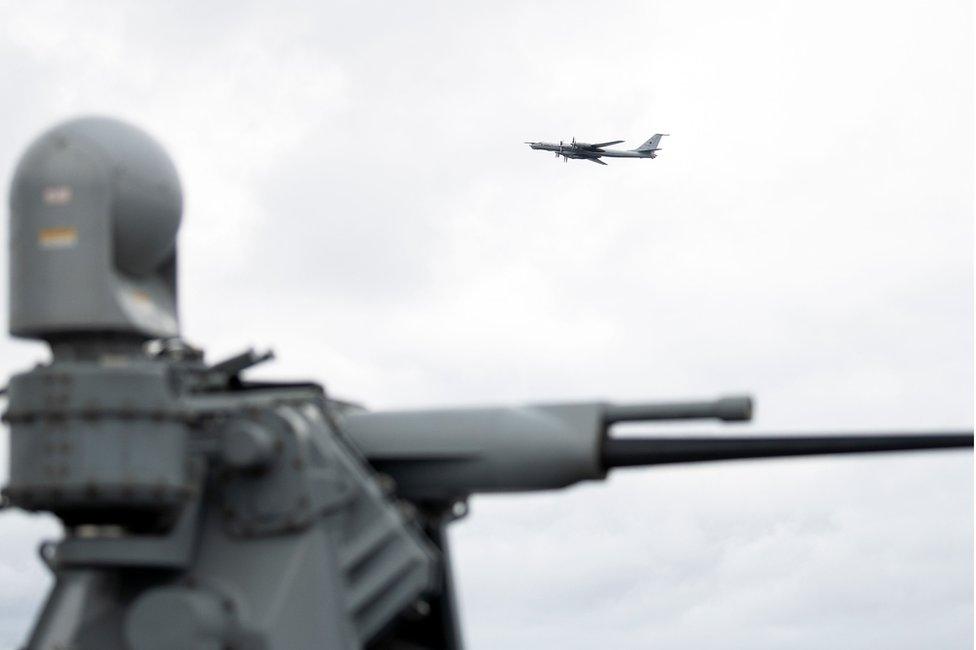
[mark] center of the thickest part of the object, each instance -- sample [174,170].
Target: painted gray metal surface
[133,450]
[451,454]
[94,209]
[250,501]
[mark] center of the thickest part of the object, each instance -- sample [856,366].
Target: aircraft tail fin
[651,145]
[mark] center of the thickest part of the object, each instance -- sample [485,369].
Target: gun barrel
[631,452]
[727,409]
[240,362]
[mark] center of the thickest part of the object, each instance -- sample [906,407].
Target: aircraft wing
[597,160]
[606,144]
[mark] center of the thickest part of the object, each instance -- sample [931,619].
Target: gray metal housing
[95,205]
[276,536]
[450,454]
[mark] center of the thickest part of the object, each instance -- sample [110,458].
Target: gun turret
[202,510]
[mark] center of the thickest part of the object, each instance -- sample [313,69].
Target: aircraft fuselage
[571,151]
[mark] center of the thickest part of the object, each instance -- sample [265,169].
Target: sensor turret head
[95,205]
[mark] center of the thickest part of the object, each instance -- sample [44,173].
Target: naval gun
[205,511]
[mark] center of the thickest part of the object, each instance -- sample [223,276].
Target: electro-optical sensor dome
[95,206]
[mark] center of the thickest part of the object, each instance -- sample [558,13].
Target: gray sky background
[358,197]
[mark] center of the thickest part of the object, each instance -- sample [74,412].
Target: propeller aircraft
[593,152]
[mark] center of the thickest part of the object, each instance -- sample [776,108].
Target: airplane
[593,152]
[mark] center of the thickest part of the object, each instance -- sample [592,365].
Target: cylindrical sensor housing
[95,205]
[98,445]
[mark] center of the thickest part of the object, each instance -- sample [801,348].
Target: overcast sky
[359,198]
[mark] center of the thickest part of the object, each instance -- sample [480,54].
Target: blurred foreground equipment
[204,511]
